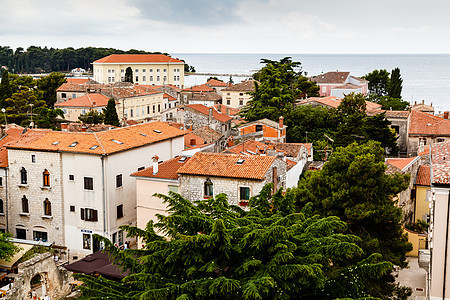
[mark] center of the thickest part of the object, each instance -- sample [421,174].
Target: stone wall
[36,194]
[198,120]
[404,199]
[55,279]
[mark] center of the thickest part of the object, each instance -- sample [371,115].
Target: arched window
[208,187]
[47,207]
[23,176]
[25,204]
[2,211]
[46,177]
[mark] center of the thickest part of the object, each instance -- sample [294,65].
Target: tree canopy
[218,251]
[378,82]
[92,117]
[48,85]
[128,75]
[395,85]
[110,114]
[7,249]
[278,84]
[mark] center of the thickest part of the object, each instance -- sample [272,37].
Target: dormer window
[240,161]
[157,131]
[73,144]
[23,176]
[55,143]
[46,178]
[143,134]
[94,147]
[116,141]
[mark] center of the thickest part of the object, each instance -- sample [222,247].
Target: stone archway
[42,275]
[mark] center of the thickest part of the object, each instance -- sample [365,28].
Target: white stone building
[89,185]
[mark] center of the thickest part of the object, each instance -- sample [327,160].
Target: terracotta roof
[170,98]
[332,77]
[440,162]
[226,165]
[399,114]
[244,86]
[333,102]
[104,142]
[119,92]
[421,123]
[347,86]
[362,80]
[76,80]
[176,125]
[401,163]
[77,127]
[423,107]
[193,140]
[248,147]
[267,122]
[13,132]
[208,134]
[208,96]
[423,175]
[223,109]
[137,58]
[167,169]
[205,110]
[214,82]
[71,87]
[290,164]
[132,122]
[426,150]
[199,88]
[292,149]
[88,100]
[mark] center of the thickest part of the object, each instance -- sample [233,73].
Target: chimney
[280,121]
[230,142]
[210,114]
[415,102]
[64,127]
[228,111]
[83,128]
[170,123]
[192,142]
[155,164]
[446,115]
[219,107]
[423,101]
[93,103]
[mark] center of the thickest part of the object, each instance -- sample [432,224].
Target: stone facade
[35,222]
[55,280]
[197,120]
[405,201]
[192,186]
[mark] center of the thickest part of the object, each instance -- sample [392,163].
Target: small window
[1,181]
[208,188]
[119,211]
[33,158]
[23,176]
[2,211]
[157,131]
[63,95]
[241,102]
[89,214]
[89,183]
[72,208]
[73,144]
[228,101]
[240,161]
[71,177]
[116,141]
[55,143]
[440,140]
[244,193]
[94,147]
[86,241]
[259,127]
[25,208]
[141,168]
[119,181]
[159,107]
[47,207]
[137,78]
[46,178]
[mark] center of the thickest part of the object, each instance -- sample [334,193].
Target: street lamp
[31,123]
[4,114]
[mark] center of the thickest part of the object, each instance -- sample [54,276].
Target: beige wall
[422,208]
[72,113]
[64,96]
[233,97]
[104,73]
[142,107]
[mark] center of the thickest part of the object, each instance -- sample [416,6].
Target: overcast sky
[230,26]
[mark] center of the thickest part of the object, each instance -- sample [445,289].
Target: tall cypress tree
[129,75]
[5,88]
[394,87]
[111,117]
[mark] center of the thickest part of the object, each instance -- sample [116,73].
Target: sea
[426,77]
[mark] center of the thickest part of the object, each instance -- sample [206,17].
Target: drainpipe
[103,195]
[6,199]
[446,247]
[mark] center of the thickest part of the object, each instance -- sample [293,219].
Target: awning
[12,260]
[97,263]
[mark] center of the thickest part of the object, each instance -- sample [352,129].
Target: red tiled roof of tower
[440,162]
[205,110]
[167,169]
[332,77]
[137,58]
[88,100]
[423,175]
[226,165]
[422,123]
[104,142]
[13,132]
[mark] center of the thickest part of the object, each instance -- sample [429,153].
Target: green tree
[22,105]
[92,117]
[230,80]
[45,117]
[5,88]
[378,82]
[213,77]
[129,75]
[110,114]
[389,103]
[48,85]
[7,249]
[218,251]
[395,85]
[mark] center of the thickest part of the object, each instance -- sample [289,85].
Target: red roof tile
[423,175]
[170,98]
[167,169]
[421,123]
[244,86]
[400,163]
[214,82]
[199,88]
[205,110]
[76,80]
[104,142]
[225,165]
[440,162]
[192,140]
[88,100]
[137,58]
[332,77]
[71,87]
[333,101]
[13,132]
[223,109]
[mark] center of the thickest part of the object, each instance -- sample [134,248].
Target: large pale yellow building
[147,69]
[237,96]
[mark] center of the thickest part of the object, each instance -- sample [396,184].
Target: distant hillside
[44,60]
